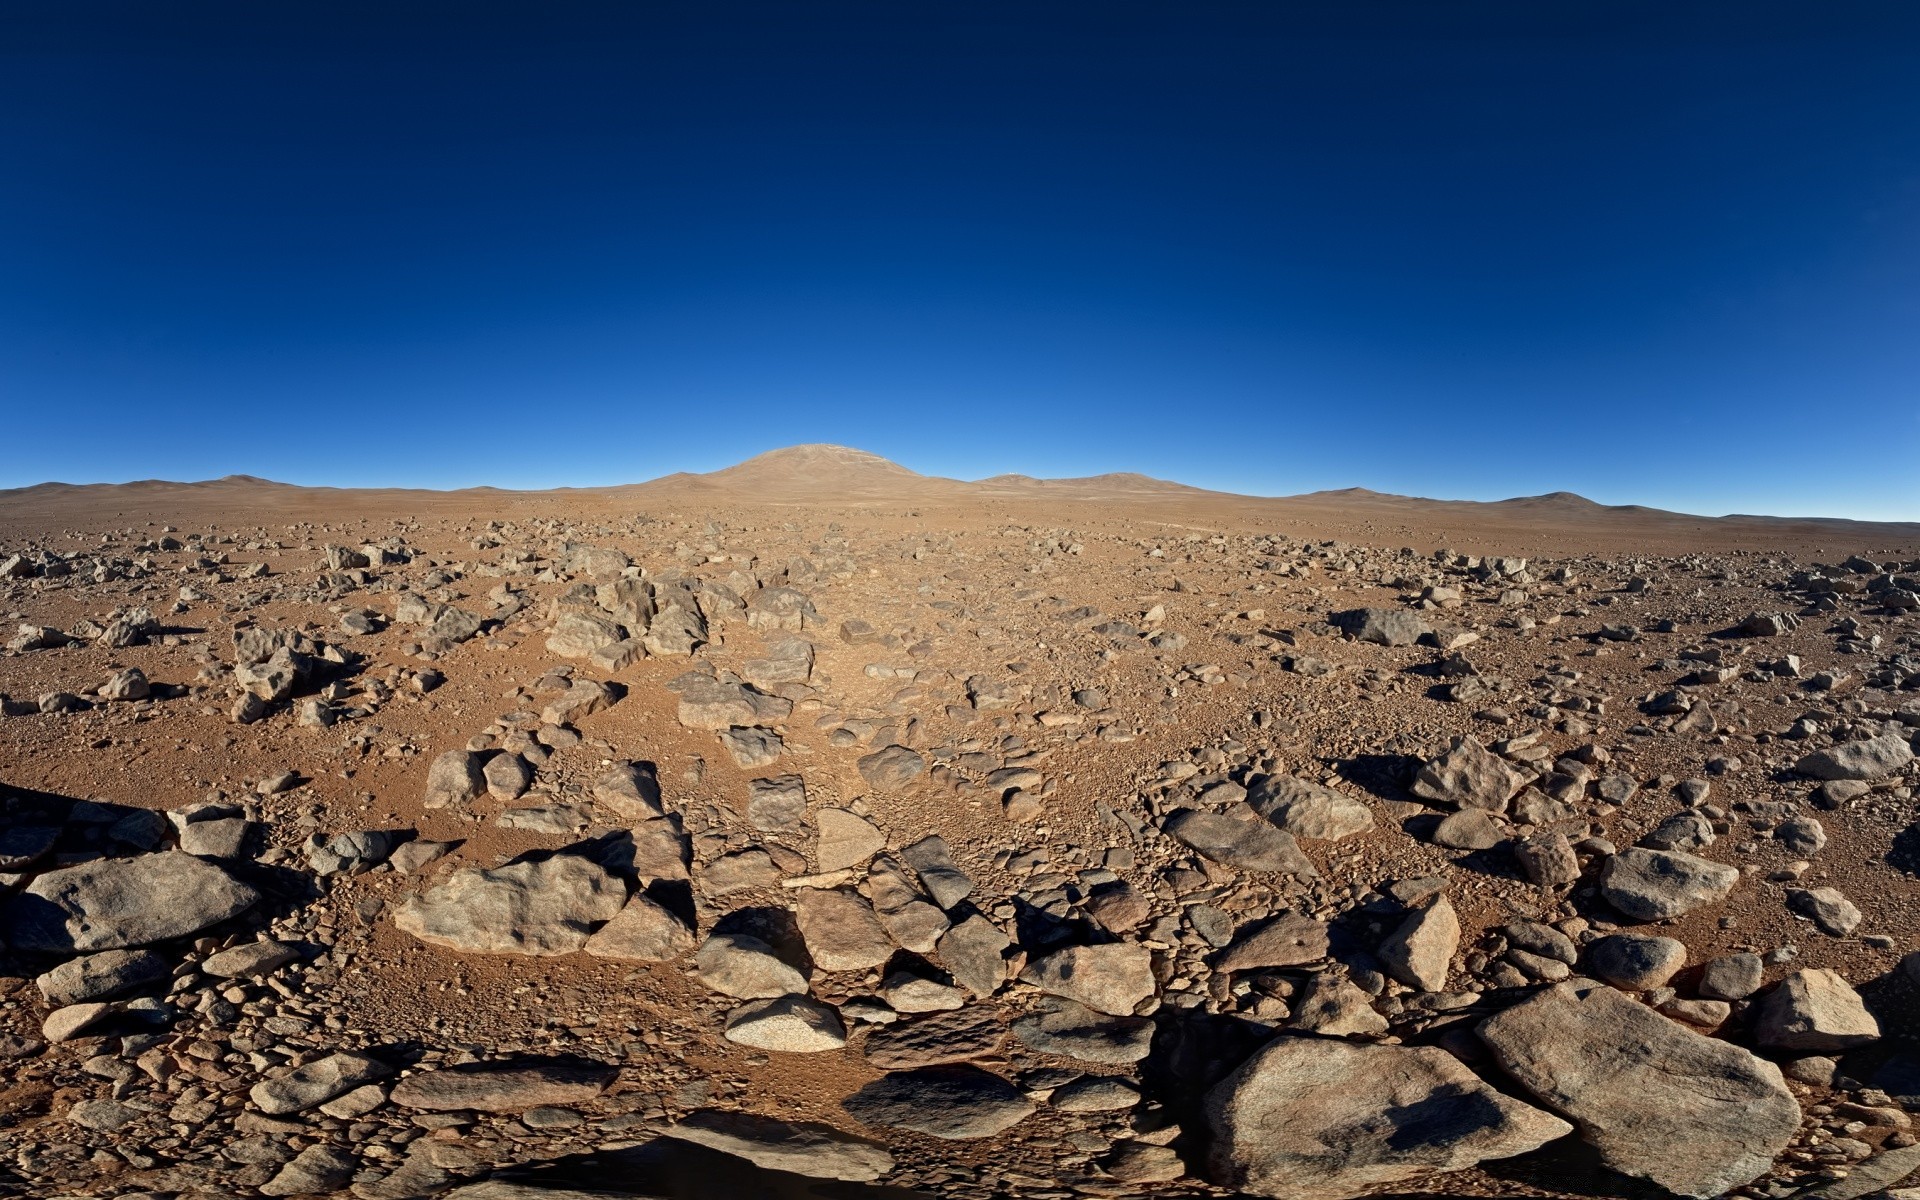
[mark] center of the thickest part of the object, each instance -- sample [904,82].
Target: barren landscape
[814,828]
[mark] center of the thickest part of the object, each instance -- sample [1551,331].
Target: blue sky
[1650,252]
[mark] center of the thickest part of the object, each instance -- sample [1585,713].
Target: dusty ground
[983,601]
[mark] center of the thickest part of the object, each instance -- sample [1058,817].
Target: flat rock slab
[1283,941]
[1319,1119]
[956,1103]
[1245,845]
[1071,1030]
[1657,885]
[511,1086]
[1696,1115]
[963,1035]
[1111,978]
[816,1151]
[537,908]
[115,903]
[1308,810]
[316,1083]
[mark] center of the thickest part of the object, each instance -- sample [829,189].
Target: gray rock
[1469,776]
[714,704]
[583,699]
[1246,845]
[102,976]
[788,1024]
[1470,829]
[841,929]
[1634,962]
[1383,626]
[114,903]
[939,874]
[1656,885]
[1307,810]
[319,1169]
[631,790]
[1732,977]
[1420,952]
[777,805]
[1331,1005]
[746,968]
[1825,907]
[315,1083]
[1547,859]
[974,953]
[1072,1030]
[846,839]
[510,1086]
[1812,1011]
[507,776]
[1873,758]
[1319,1119]
[1696,1115]
[891,768]
[815,1151]
[454,779]
[250,960]
[1286,940]
[961,1035]
[643,931]
[1112,978]
[957,1103]
[538,908]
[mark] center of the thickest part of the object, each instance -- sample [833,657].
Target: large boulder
[114,903]
[539,908]
[1319,1119]
[1696,1115]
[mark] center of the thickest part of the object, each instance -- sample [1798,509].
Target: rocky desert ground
[818,829]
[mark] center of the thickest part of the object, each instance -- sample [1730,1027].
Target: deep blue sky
[1664,253]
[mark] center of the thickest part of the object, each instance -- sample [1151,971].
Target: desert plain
[814,828]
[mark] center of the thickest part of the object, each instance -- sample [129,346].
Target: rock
[1096,1094]
[103,1116]
[514,1085]
[1825,907]
[1688,830]
[251,960]
[909,993]
[746,968]
[454,779]
[1284,941]
[130,684]
[114,903]
[1136,1161]
[739,871]
[1547,859]
[1801,835]
[507,776]
[957,1036]
[1469,776]
[789,1024]
[1246,845]
[1318,1119]
[974,953]
[660,851]
[643,931]
[410,856]
[578,634]
[1072,1030]
[65,1024]
[1332,1006]
[1118,906]
[1383,626]
[1873,758]
[102,976]
[539,908]
[320,1168]
[21,846]
[1307,810]
[348,853]
[1112,978]
[1470,829]
[788,660]
[1732,977]
[583,699]
[957,1103]
[631,790]
[841,930]
[752,748]
[1811,1011]
[1657,885]
[939,874]
[315,1083]
[1695,1115]
[891,768]
[777,805]
[846,839]
[1634,962]
[714,704]
[1420,952]
[815,1151]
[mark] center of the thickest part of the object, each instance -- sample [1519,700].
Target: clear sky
[1663,253]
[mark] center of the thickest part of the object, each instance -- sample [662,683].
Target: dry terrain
[814,828]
